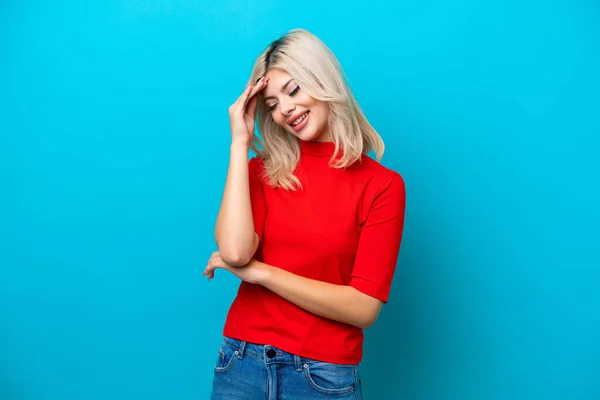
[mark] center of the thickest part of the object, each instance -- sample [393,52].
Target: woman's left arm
[359,302]
[337,302]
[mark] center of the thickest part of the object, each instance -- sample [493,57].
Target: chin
[307,134]
[308,137]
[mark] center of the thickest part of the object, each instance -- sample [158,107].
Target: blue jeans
[248,371]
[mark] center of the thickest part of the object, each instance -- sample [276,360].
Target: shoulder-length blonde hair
[318,72]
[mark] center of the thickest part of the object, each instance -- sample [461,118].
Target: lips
[301,121]
[294,119]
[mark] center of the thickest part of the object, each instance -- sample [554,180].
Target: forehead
[277,78]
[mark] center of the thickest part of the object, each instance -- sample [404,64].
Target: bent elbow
[369,315]
[367,322]
[235,255]
[235,259]
[368,309]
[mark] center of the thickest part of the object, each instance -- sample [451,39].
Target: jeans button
[271,353]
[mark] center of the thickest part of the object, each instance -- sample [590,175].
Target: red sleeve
[257,194]
[379,241]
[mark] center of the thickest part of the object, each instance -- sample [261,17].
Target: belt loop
[241,349]
[298,362]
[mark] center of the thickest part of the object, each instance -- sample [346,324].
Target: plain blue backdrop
[113,152]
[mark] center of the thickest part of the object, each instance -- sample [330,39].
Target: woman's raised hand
[242,113]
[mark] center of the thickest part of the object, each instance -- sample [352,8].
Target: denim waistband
[268,353]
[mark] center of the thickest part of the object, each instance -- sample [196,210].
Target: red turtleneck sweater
[343,227]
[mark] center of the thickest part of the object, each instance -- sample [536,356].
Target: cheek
[279,119]
[322,112]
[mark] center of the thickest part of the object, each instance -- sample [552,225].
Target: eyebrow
[282,90]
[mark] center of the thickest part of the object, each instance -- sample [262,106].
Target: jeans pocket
[226,358]
[329,378]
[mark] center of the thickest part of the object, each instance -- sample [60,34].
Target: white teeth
[300,119]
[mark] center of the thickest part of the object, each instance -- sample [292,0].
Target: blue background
[113,153]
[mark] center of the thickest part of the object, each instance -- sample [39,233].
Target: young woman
[311,225]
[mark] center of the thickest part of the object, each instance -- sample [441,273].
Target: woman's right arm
[234,232]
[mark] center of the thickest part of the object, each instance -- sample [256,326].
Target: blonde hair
[318,72]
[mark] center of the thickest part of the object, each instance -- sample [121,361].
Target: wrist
[265,272]
[239,145]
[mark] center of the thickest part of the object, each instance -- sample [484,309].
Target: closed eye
[292,93]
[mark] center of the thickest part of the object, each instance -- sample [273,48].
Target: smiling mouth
[300,119]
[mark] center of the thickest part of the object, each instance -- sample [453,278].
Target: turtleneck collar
[317,149]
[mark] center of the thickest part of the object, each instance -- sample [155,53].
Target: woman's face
[294,110]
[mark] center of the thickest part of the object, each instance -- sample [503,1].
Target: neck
[317,149]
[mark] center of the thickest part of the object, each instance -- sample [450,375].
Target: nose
[287,108]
